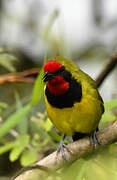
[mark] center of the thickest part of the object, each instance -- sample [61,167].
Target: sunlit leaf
[6,60]
[20,144]
[76,170]
[106,117]
[38,89]
[111,147]
[110,104]
[14,119]
[47,125]
[5,148]
[28,157]
[82,170]
[22,126]
[55,136]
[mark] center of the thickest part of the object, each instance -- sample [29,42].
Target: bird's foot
[94,139]
[61,148]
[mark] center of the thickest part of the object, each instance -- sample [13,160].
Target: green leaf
[55,136]
[14,119]
[20,144]
[38,89]
[111,148]
[3,105]
[6,61]
[76,171]
[5,148]
[29,157]
[106,117]
[47,125]
[22,126]
[110,104]
[15,153]
[82,170]
[37,129]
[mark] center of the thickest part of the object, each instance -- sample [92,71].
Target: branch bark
[79,149]
[27,76]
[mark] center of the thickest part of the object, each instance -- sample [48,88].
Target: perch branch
[79,149]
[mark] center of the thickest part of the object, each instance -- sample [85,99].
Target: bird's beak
[47,76]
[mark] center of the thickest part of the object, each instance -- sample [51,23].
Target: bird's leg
[94,139]
[61,147]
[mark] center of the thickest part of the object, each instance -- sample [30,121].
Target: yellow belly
[83,117]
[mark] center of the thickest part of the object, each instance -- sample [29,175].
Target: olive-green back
[89,87]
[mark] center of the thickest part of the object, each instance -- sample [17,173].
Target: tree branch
[108,68]
[79,149]
[27,76]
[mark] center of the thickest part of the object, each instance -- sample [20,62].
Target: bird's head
[56,77]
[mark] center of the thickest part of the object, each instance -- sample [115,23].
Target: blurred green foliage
[7,60]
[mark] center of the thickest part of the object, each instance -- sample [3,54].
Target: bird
[72,100]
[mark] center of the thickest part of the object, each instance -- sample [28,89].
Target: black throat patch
[74,93]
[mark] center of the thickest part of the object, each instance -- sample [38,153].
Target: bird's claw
[61,148]
[94,139]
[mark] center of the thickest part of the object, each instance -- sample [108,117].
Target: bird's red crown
[52,66]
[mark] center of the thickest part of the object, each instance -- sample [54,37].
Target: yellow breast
[83,117]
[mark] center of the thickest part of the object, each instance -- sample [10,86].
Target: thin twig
[106,71]
[27,76]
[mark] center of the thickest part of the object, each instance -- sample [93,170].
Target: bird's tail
[78,135]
